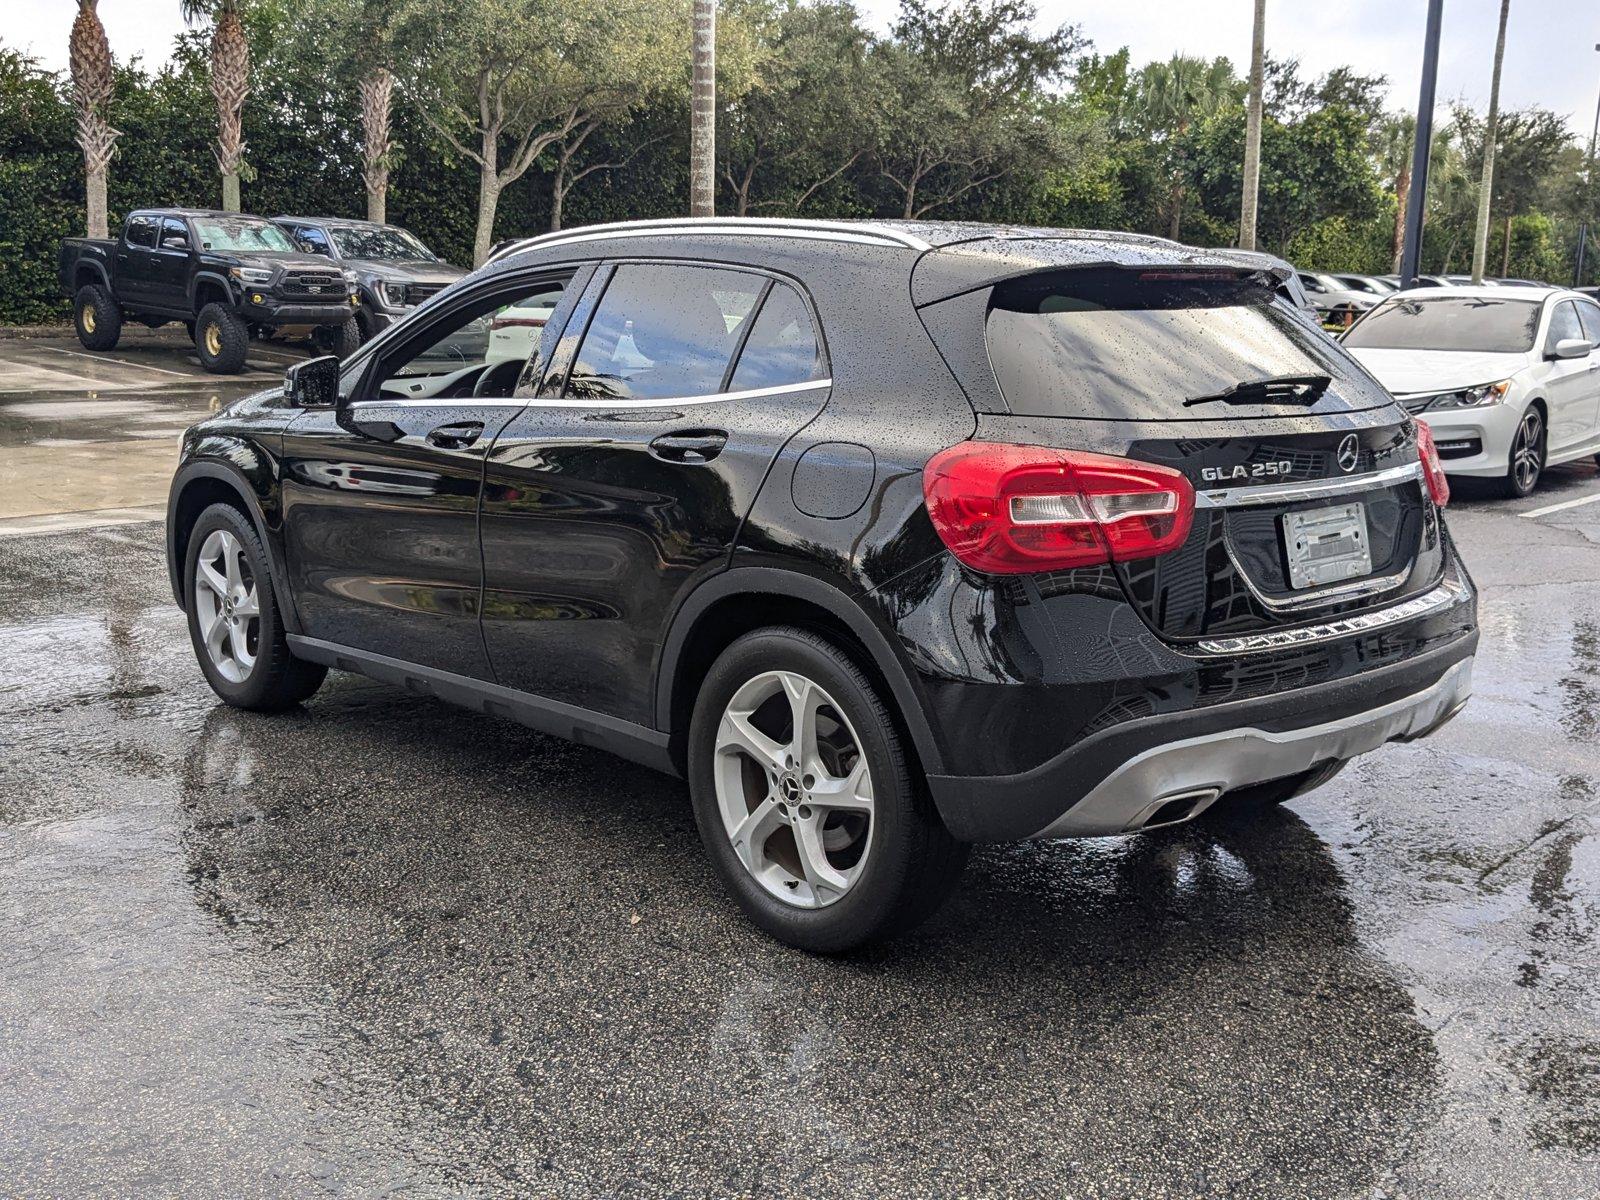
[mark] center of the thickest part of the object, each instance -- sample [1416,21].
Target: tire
[1526,465]
[880,860]
[98,318]
[251,666]
[221,339]
[1251,801]
[341,340]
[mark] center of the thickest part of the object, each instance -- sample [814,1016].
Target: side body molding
[777,581]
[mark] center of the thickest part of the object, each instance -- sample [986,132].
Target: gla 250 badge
[1260,470]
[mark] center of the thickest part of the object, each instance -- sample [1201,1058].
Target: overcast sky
[1550,51]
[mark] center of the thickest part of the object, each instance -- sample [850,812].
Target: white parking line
[124,361]
[1564,505]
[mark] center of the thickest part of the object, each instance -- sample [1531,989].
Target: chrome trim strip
[1442,596]
[1288,493]
[833,231]
[812,385]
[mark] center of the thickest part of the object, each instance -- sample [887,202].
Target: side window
[1589,314]
[311,240]
[662,332]
[1563,325]
[142,231]
[482,351]
[174,234]
[782,348]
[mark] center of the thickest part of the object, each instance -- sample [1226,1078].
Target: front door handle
[457,435]
[690,446]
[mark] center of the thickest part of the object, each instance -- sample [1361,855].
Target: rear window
[1448,323]
[1135,345]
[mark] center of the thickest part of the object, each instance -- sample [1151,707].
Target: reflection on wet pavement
[382,946]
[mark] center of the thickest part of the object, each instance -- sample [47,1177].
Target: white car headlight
[251,274]
[1481,396]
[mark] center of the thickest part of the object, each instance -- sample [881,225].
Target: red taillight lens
[1438,485]
[1009,510]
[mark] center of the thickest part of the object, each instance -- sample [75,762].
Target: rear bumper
[1115,781]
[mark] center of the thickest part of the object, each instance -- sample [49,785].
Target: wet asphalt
[381,947]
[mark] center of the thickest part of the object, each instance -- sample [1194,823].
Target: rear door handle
[457,435]
[691,446]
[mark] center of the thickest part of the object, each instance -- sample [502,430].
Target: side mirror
[313,383]
[1572,348]
[176,242]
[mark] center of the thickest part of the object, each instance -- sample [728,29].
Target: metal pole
[703,112]
[1411,255]
[1583,227]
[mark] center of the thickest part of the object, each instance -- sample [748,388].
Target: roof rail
[834,231]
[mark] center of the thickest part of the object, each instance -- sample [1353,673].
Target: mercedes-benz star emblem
[1349,453]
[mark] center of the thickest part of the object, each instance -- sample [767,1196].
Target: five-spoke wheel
[227,605]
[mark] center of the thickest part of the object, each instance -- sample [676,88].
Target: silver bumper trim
[1206,767]
[1289,493]
[1443,596]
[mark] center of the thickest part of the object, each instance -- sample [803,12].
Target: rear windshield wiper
[1282,389]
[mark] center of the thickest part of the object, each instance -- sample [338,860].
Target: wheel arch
[89,274]
[746,598]
[209,287]
[202,483]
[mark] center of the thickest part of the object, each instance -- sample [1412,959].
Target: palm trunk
[92,82]
[1505,259]
[230,84]
[1402,194]
[1480,245]
[98,222]
[703,113]
[1252,133]
[376,93]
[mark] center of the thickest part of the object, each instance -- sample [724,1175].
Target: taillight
[1438,485]
[1009,510]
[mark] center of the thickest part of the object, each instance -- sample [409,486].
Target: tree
[93,76]
[965,86]
[1527,149]
[230,84]
[500,81]
[1252,134]
[1170,97]
[1480,242]
[1393,142]
[788,136]
[703,112]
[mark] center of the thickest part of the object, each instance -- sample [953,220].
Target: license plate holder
[1327,545]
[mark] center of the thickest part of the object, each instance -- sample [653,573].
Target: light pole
[1583,228]
[1411,255]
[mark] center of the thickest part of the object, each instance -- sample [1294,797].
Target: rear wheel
[234,622]
[1527,455]
[805,798]
[97,317]
[221,339]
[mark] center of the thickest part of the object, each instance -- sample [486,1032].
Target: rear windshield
[1135,345]
[1448,323]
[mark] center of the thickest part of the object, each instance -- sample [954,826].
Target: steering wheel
[499,380]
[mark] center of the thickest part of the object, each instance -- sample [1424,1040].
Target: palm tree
[1252,132]
[230,84]
[1171,96]
[92,79]
[1393,142]
[703,112]
[377,90]
[1480,243]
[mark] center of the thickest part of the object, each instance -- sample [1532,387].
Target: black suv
[394,272]
[890,538]
[226,276]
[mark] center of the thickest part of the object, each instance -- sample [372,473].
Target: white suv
[1507,378]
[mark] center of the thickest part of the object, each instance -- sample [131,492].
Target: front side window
[1448,323]
[782,348]
[485,350]
[241,235]
[174,233]
[142,231]
[663,332]
[312,240]
[1154,345]
[1564,325]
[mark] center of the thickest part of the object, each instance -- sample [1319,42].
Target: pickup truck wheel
[98,318]
[806,799]
[222,340]
[344,340]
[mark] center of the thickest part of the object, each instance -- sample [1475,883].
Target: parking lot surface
[379,946]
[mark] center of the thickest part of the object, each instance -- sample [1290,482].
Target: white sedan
[1507,378]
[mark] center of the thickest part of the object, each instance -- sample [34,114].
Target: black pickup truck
[226,276]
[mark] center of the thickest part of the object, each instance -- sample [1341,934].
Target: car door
[380,497]
[136,259]
[1589,315]
[169,282]
[1568,382]
[672,388]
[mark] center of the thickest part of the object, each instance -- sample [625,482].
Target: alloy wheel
[1525,451]
[213,340]
[794,789]
[227,605]
[88,318]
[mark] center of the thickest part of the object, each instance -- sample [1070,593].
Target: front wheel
[1527,456]
[234,622]
[806,801]
[221,339]
[340,340]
